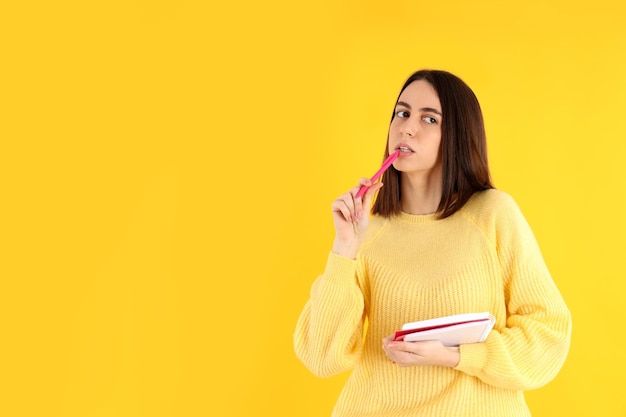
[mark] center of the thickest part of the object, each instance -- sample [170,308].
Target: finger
[360,209]
[386,345]
[363,182]
[340,207]
[390,354]
[345,205]
[369,194]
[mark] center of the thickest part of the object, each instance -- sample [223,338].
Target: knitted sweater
[416,267]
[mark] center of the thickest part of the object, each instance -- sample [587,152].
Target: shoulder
[490,200]
[494,211]
[491,204]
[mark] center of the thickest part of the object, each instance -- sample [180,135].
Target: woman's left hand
[431,352]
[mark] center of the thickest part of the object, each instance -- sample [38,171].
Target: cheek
[435,138]
[393,127]
[434,148]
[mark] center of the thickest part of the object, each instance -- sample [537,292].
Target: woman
[441,241]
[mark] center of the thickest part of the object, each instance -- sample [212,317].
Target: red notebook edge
[399,335]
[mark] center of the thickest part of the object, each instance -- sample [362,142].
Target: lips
[404,149]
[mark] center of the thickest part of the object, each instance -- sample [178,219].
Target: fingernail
[392,345]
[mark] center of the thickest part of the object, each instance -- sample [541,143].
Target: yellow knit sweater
[416,267]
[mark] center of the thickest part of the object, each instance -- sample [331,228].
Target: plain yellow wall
[168,166]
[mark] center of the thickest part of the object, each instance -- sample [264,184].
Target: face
[416,129]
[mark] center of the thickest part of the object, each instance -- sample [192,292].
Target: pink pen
[382,169]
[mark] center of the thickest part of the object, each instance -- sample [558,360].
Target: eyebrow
[427,109]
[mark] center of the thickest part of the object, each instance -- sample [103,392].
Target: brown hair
[463,148]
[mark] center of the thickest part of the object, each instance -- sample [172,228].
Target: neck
[421,194]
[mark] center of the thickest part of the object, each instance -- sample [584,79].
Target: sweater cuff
[473,358]
[338,265]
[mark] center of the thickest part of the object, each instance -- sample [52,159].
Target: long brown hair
[463,148]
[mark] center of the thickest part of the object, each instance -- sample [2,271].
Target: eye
[402,114]
[430,120]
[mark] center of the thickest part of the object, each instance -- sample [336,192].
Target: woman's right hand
[351,218]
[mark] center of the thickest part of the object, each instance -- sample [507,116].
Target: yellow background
[168,166]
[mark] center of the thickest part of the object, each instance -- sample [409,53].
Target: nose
[408,128]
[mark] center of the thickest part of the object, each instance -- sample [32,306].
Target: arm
[531,349]
[329,332]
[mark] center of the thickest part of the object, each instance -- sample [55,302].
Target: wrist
[454,356]
[348,248]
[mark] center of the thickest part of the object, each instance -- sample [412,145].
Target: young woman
[440,241]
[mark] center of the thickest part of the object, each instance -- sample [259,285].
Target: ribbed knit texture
[482,258]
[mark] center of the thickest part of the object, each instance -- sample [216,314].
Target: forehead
[420,94]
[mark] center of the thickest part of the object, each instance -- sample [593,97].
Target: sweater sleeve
[531,348]
[329,333]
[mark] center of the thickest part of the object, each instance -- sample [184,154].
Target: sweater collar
[417,218]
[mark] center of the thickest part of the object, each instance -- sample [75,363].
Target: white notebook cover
[450,330]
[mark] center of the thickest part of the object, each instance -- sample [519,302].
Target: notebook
[450,330]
